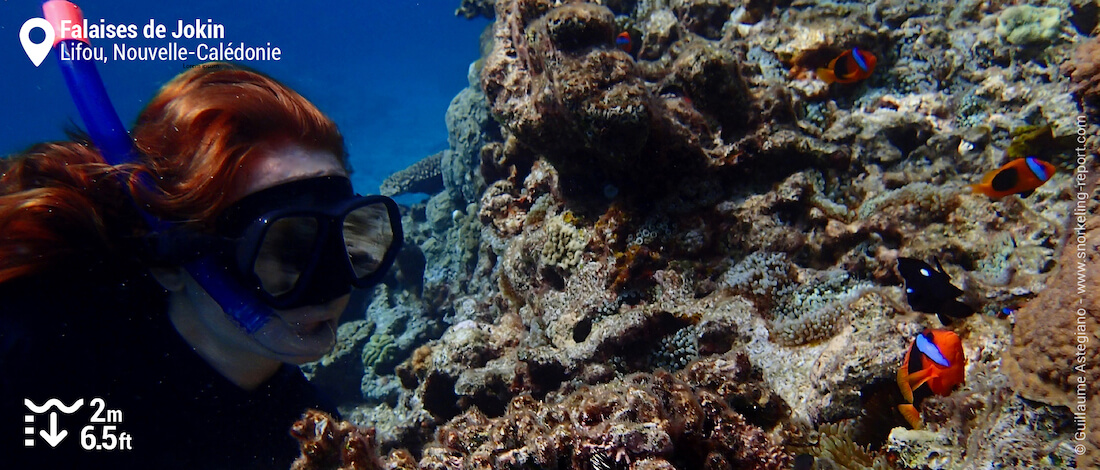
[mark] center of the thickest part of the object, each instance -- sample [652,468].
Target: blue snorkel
[115,145]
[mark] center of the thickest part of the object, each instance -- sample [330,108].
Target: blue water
[384,71]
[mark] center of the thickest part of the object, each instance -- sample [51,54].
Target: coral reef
[1026,25]
[469,128]
[1051,360]
[1084,70]
[556,82]
[330,444]
[474,8]
[592,112]
[836,446]
[402,323]
[704,205]
[424,176]
[564,244]
[917,449]
[340,372]
[648,420]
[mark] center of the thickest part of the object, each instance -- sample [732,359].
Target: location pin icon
[37,52]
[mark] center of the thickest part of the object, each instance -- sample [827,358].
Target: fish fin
[903,380]
[911,415]
[946,320]
[945,282]
[983,188]
[909,382]
[915,381]
[956,309]
[1026,193]
[826,75]
[906,390]
[939,267]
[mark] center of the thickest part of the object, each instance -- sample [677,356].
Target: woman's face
[301,334]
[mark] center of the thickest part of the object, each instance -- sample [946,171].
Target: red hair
[60,200]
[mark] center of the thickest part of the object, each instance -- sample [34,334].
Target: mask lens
[367,236]
[285,253]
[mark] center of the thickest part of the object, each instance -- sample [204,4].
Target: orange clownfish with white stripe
[934,364]
[1020,176]
[851,66]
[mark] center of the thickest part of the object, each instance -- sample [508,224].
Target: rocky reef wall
[681,254]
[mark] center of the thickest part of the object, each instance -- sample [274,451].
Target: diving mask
[310,241]
[300,243]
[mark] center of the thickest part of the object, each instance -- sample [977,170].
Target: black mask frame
[240,231]
[329,272]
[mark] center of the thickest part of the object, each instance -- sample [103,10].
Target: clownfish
[934,364]
[1020,176]
[849,67]
[623,42]
[929,290]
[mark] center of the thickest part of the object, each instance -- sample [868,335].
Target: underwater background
[697,234]
[384,71]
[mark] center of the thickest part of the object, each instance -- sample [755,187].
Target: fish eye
[924,272]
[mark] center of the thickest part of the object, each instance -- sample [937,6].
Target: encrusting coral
[1026,25]
[424,176]
[564,244]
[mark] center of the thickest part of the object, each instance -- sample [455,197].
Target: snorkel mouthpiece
[115,145]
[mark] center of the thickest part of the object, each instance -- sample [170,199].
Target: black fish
[929,290]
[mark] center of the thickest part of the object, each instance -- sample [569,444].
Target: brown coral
[1052,358]
[557,83]
[1084,70]
[655,418]
[329,444]
[471,9]
[704,17]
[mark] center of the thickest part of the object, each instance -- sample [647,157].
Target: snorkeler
[106,277]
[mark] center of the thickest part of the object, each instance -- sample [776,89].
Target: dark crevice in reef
[439,397]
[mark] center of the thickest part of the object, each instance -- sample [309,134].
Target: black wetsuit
[75,337]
